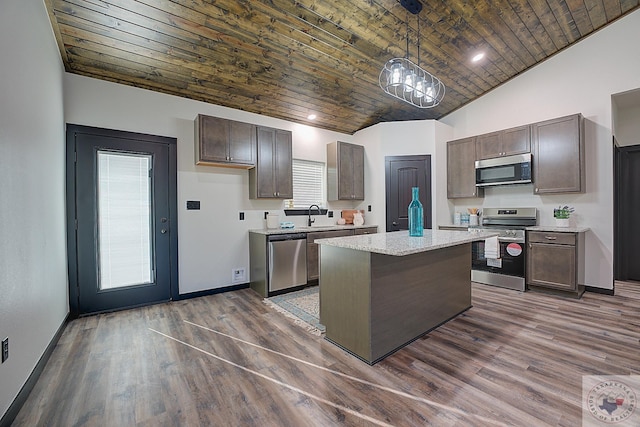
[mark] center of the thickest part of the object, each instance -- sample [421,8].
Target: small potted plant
[562,214]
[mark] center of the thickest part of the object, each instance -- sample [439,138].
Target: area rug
[302,306]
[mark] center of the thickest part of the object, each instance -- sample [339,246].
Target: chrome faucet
[311,221]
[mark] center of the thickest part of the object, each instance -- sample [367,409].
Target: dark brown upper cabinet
[461,172]
[504,143]
[272,178]
[345,171]
[558,155]
[222,142]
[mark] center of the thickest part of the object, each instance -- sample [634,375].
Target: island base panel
[345,298]
[373,362]
[414,294]
[374,304]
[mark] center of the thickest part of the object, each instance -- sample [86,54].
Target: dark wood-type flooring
[513,359]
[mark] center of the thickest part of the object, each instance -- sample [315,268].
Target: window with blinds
[308,184]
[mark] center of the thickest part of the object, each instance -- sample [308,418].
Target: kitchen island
[380,292]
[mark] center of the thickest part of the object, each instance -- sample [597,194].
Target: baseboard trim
[11,414]
[210,292]
[599,290]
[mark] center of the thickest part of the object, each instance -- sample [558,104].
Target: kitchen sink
[315,227]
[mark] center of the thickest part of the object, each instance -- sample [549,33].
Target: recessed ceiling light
[311,117]
[478,57]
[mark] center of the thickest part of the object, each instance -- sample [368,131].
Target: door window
[124,220]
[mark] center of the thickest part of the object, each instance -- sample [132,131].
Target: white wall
[419,137]
[579,80]
[211,241]
[33,263]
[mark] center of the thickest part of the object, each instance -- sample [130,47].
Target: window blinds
[308,184]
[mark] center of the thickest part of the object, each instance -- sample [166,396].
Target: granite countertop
[312,229]
[551,228]
[399,243]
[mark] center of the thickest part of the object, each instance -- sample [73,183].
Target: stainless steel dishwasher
[287,255]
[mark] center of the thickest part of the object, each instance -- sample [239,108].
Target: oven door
[511,261]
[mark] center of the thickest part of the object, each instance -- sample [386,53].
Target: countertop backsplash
[256,218]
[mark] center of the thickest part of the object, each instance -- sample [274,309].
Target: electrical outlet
[5,349]
[369,208]
[241,216]
[239,275]
[330,214]
[265,215]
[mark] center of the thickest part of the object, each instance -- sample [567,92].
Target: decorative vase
[416,225]
[562,222]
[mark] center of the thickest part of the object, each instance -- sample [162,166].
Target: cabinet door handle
[536,189]
[550,238]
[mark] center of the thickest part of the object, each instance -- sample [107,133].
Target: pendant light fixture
[407,81]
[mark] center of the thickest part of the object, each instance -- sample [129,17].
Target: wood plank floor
[513,359]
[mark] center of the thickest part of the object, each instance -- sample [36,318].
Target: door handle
[394,223]
[163,231]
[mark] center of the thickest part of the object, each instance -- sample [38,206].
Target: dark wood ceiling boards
[287,59]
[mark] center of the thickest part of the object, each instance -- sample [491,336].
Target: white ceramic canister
[358,219]
[272,221]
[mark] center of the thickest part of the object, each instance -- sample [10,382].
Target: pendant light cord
[407,35]
[418,41]
[418,19]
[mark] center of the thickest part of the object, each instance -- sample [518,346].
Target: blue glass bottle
[416,226]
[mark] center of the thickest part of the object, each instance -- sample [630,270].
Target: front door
[628,206]
[402,173]
[121,196]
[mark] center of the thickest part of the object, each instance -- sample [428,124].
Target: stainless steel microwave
[504,170]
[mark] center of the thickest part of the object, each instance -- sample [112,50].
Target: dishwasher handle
[288,236]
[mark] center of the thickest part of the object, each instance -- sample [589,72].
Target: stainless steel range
[504,267]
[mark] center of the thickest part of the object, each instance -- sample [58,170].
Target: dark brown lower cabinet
[365,230]
[313,265]
[555,262]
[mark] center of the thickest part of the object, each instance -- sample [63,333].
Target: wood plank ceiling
[291,58]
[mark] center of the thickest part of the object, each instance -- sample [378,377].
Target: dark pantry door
[401,174]
[121,192]
[628,207]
